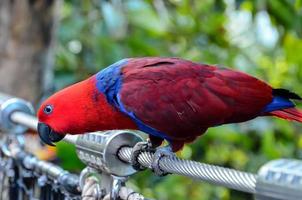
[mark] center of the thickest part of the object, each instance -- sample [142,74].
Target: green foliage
[94,34]
[68,157]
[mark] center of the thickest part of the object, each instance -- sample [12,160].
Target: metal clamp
[280,180]
[99,150]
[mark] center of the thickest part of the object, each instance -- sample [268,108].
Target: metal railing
[108,158]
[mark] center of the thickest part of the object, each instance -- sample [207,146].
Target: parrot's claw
[136,151]
[159,154]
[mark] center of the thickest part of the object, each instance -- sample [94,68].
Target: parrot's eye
[48,109]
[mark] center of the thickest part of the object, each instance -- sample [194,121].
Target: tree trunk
[26,47]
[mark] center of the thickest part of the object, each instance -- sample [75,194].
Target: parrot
[170,99]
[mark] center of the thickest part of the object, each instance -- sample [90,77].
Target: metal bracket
[114,182]
[9,105]
[105,184]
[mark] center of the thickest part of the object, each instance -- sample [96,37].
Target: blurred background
[46,45]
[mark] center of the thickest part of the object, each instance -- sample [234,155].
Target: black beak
[47,135]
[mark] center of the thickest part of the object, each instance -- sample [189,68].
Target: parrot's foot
[137,150]
[159,154]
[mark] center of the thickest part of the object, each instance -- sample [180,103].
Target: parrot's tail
[292,114]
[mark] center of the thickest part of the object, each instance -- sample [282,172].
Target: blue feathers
[278,103]
[109,82]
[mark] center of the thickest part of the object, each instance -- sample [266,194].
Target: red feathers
[182,99]
[291,114]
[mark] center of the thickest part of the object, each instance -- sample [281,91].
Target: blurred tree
[26,47]
[27,35]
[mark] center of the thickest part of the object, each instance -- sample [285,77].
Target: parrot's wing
[176,99]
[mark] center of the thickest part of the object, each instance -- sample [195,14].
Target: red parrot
[168,98]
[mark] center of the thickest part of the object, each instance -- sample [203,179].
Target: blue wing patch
[278,103]
[109,82]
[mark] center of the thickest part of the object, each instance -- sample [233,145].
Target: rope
[91,192]
[226,177]
[89,189]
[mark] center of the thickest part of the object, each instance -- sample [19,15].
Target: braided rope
[90,191]
[226,177]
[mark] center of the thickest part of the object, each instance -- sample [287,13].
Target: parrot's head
[78,109]
[49,127]
[70,110]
